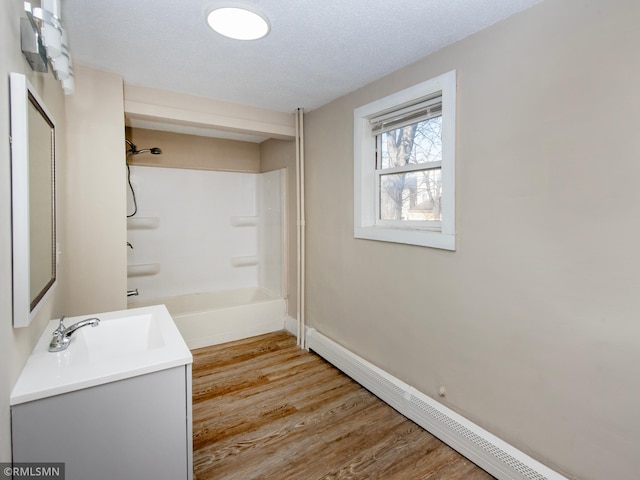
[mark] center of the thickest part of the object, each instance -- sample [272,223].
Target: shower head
[152,151]
[133,150]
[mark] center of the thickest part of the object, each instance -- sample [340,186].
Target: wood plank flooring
[263,409]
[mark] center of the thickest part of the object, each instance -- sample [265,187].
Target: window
[404,166]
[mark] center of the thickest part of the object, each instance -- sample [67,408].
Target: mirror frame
[25,303]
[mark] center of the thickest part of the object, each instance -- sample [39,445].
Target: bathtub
[217,317]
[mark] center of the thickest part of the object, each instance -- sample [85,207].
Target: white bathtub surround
[214,253]
[197,227]
[193,240]
[218,317]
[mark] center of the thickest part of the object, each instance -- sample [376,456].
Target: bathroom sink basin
[124,344]
[112,339]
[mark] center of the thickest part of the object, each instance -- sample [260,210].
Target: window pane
[417,143]
[413,196]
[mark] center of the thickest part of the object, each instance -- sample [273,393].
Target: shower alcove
[209,238]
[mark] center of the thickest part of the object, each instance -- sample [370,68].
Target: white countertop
[125,344]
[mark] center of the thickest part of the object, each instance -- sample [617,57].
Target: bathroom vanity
[115,404]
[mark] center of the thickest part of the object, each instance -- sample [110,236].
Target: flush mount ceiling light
[238,23]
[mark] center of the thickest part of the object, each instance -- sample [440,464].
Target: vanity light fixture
[238,23]
[51,26]
[43,37]
[61,63]
[31,44]
[69,84]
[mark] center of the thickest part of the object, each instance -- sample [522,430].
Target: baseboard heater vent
[492,454]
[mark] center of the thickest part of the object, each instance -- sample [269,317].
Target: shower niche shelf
[247,261]
[244,221]
[143,269]
[143,223]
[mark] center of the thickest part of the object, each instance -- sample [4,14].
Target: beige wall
[276,154]
[191,151]
[96,196]
[17,344]
[532,324]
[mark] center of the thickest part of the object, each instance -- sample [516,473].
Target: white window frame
[366,194]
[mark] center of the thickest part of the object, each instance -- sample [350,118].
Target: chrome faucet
[62,336]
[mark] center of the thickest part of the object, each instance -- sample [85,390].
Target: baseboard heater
[490,453]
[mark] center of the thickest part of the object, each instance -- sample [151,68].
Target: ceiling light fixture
[238,23]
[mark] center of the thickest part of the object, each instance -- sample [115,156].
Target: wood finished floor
[263,409]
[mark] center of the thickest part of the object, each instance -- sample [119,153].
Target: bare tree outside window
[413,195]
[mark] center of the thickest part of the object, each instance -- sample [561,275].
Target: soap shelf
[143,223]
[244,261]
[244,221]
[143,269]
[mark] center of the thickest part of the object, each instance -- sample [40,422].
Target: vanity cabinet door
[138,428]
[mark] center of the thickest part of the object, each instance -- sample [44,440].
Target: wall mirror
[33,159]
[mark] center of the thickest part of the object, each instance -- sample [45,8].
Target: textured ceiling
[317,50]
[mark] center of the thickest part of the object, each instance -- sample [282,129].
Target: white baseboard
[492,454]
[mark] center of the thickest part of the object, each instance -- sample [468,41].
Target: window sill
[423,238]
